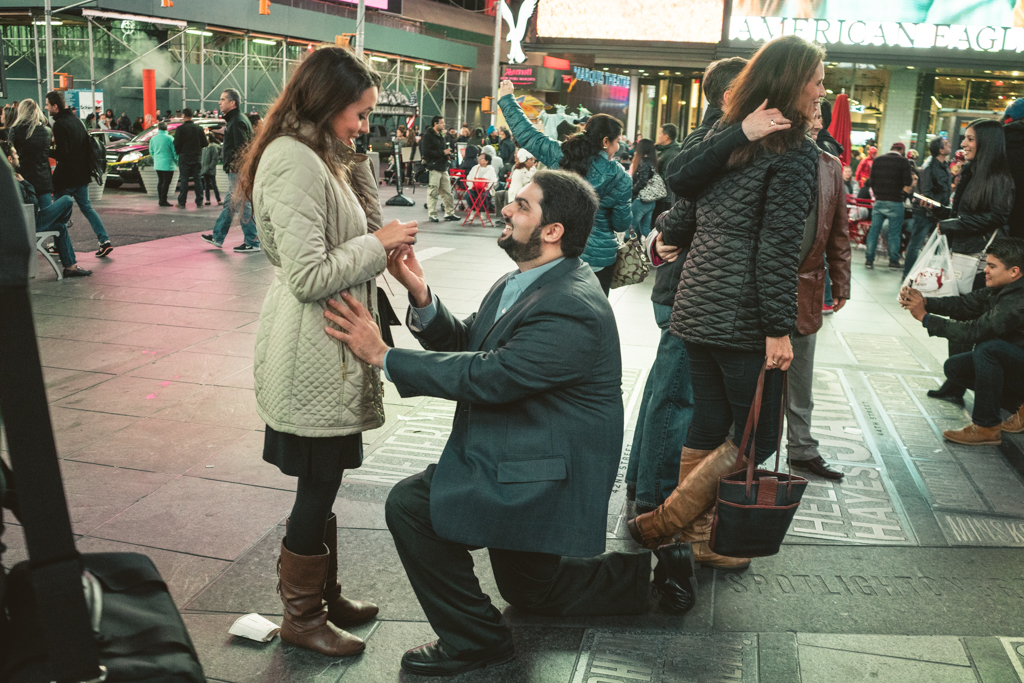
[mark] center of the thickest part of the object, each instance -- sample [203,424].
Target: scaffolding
[210,59]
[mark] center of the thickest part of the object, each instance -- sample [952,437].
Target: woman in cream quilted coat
[318,217]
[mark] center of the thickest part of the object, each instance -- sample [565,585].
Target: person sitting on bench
[54,218]
[991,319]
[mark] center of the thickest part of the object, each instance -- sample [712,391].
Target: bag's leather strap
[56,566]
[750,429]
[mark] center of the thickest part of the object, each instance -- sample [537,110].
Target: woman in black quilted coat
[736,303]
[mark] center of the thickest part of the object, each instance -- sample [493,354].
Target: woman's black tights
[308,522]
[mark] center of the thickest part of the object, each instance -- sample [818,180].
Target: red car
[123,157]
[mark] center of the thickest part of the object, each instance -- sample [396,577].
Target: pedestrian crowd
[746,223]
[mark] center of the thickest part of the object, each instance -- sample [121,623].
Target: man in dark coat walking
[189,140]
[535,446]
[237,132]
[73,151]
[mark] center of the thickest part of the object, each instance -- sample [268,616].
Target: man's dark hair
[1009,251]
[233,96]
[6,147]
[56,97]
[936,145]
[487,156]
[435,119]
[670,130]
[186,112]
[719,76]
[162,125]
[571,201]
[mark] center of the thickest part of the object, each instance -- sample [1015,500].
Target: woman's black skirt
[315,458]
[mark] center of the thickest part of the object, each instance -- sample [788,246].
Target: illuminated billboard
[675,21]
[977,25]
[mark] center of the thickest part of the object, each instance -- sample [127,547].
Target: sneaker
[869,265]
[975,435]
[895,265]
[209,238]
[433,219]
[246,248]
[104,250]
[52,250]
[208,203]
[1015,423]
[827,310]
[453,217]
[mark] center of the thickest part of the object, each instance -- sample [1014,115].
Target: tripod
[399,199]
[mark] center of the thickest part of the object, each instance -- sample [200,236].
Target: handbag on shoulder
[654,190]
[631,262]
[755,507]
[72,617]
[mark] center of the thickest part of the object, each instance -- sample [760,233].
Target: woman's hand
[404,267]
[396,233]
[778,352]
[763,121]
[506,88]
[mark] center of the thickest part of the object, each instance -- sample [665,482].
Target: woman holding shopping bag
[981,206]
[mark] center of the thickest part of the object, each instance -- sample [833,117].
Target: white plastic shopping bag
[932,274]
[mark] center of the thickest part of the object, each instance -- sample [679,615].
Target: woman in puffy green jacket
[591,155]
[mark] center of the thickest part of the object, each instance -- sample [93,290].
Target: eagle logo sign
[517,29]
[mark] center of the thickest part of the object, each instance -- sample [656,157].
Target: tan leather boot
[341,611]
[301,585]
[1015,423]
[692,497]
[688,461]
[698,533]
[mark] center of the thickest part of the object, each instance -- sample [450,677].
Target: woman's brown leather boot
[301,585]
[341,611]
[698,533]
[689,499]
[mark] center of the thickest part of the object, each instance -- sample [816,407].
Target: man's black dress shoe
[432,660]
[675,581]
[817,466]
[952,393]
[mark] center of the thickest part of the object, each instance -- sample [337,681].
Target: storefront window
[867,86]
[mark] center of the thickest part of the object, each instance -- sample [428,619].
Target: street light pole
[360,28]
[49,45]
[497,62]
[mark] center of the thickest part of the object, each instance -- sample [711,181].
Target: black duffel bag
[139,634]
[69,618]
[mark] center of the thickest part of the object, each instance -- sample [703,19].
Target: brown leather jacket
[833,239]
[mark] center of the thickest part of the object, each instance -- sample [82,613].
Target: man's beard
[521,252]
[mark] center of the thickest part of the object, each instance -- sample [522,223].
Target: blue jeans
[220,230]
[55,217]
[45,199]
[828,286]
[918,233]
[81,196]
[995,370]
[894,212]
[665,412]
[642,212]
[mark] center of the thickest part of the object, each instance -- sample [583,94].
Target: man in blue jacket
[535,445]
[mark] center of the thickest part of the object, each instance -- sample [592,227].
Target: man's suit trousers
[468,625]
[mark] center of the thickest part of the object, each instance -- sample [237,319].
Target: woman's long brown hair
[326,82]
[778,72]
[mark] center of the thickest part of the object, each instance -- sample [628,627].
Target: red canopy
[840,128]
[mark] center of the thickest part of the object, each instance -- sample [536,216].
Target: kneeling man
[992,319]
[535,445]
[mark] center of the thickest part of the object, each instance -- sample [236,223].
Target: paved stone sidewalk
[909,570]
